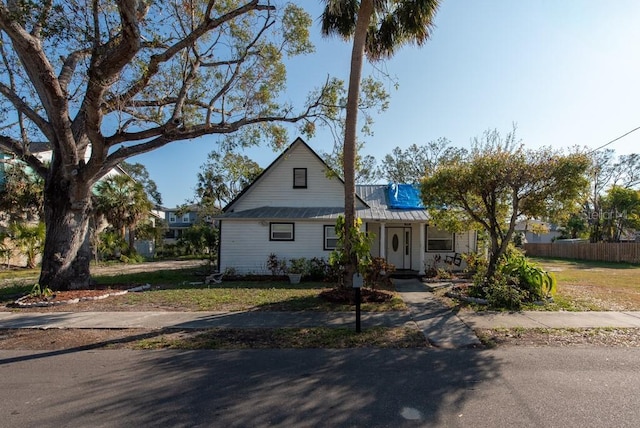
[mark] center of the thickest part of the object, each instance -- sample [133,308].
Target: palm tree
[378,28]
[29,239]
[123,202]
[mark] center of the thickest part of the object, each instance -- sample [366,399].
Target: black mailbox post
[357,285]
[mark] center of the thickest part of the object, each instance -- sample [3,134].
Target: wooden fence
[602,251]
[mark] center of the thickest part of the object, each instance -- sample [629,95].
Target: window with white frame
[439,240]
[299,178]
[172,217]
[330,238]
[281,232]
[185,218]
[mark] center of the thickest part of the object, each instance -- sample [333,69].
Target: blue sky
[565,72]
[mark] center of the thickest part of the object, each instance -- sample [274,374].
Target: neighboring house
[291,208]
[44,153]
[179,219]
[537,231]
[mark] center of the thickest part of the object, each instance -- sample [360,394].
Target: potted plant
[297,269]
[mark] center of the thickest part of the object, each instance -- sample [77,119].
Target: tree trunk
[351,122]
[493,260]
[67,250]
[132,240]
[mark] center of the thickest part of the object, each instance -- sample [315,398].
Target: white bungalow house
[291,208]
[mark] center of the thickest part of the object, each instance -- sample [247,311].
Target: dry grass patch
[584,285]
[280,338]
[219,338]
[610,337]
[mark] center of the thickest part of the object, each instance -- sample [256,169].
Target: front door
[399,247]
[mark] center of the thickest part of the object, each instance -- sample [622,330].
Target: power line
[614,140]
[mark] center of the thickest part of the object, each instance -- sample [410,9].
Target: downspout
[219,258]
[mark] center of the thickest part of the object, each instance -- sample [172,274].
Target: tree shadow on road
[293,387]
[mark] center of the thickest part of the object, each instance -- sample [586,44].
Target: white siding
[416,246]
[374,229]
[245,245]
[275,187]
[465,242]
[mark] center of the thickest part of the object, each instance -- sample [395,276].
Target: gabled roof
[375,195]
[374,200]
[297,141]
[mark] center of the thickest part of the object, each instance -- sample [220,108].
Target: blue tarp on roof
[404,197]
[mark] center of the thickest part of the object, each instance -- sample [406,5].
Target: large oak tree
[103,80]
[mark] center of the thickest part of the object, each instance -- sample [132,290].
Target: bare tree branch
[189,40]
[69,66]
[41,74]
[16,147]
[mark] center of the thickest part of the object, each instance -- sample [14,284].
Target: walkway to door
[440,325]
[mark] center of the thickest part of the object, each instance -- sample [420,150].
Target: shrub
[530,278]
[275,265]
[431,267]
[443,274]
[474,262]
[318,268]
[516,281]
[361,249]
[377,273]
[503,295]
[298,265]
[132,258]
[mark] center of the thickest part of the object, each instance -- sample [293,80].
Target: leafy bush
[530,278]
[517,280]
[318,268]
[38,291]
[131,258]
[298,265]
[170,251]
[110,245]
[377,273]
[442,273]
[275,265]
[431,266]
[361,249]
[503,295]
[474,262]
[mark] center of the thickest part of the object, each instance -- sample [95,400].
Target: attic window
[299,178]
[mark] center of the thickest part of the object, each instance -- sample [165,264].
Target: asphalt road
[508,387]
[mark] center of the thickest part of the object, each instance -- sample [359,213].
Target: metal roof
[374,195]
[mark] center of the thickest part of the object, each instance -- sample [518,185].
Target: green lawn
[243,295]
[183,290]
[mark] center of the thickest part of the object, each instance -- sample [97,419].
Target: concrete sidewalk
[445,328]
[562,319]
[441,326]
[197,320]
